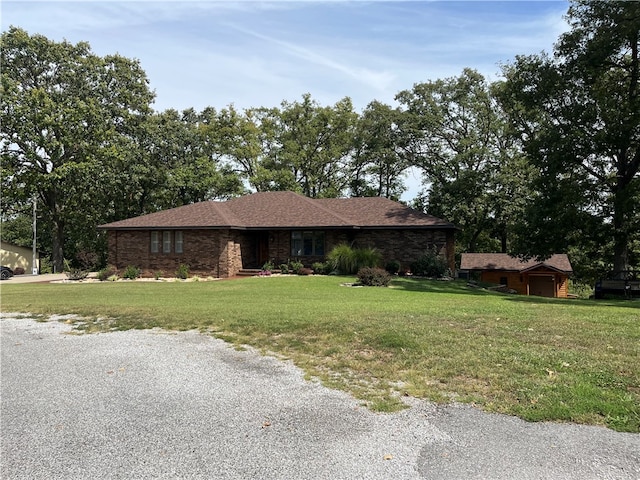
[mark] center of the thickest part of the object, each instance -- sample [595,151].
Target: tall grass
[347,260]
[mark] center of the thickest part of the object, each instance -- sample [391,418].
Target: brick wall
[222,253]
[404,246]
[201,251]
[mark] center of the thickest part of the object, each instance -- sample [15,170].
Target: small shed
[546,278]
[14,256]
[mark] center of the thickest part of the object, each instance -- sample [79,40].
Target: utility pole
[34,264]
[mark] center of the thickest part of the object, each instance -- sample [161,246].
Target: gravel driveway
[155,404]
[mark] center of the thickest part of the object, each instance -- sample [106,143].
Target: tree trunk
[621,213]
[57,247]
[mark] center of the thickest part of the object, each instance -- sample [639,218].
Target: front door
[262,253]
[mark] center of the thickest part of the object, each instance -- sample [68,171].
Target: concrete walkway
[44,278]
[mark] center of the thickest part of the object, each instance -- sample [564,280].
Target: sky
[214,53]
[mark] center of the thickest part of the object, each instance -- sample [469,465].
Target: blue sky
[252,54]
[260,53]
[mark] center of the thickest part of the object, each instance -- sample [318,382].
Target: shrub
[373,277]
[74,273]
[284,268]
[45,265]
[18,271]
[367,257]
[131,272]
[268,266]
[342,259]
[106,272]
[158,274]
[392,267]
[321,268]
[296,266]
[182,271]
[431,264]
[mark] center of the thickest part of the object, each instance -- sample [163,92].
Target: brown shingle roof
[286,210]
[504,261]
[367,212]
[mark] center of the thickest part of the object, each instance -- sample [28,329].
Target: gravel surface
[156,404]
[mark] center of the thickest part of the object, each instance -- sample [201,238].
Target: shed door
[542,285]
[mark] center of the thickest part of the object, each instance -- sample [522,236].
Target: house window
[307,243]
[155,242]
[166,242]
[178,242]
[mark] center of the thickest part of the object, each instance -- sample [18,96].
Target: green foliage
[268,266]
[106,272]
[392,266]
[373,277]
[158,274]
[74,273]
[366,257]
[59,134]
[342,259]
[430,264]
[284,268]
[348,260]
[131,272]
[321,268]
[586,146]
[183,271]
[296,266]
[453,130]
[45,265]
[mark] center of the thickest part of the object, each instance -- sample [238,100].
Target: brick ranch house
[546,278]
[221,238]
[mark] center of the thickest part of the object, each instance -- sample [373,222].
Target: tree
[378,165]
[313,145]
[453,131]
[578,114]
[63,112]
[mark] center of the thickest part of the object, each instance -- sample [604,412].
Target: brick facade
[223,253]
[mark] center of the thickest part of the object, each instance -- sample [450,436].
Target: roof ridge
[223,209]
[316,203]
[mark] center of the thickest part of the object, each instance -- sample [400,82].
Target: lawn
[539,359]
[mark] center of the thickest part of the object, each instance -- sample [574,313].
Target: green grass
[539,359]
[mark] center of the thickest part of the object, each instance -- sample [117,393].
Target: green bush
[131,272]
[182,271]
[284,268]
[342,259]
[367,257]
[320,268]
[106,272]
[392,267]
[296,267]
[431,264]
[373,277]
[268,266]
[74,273]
